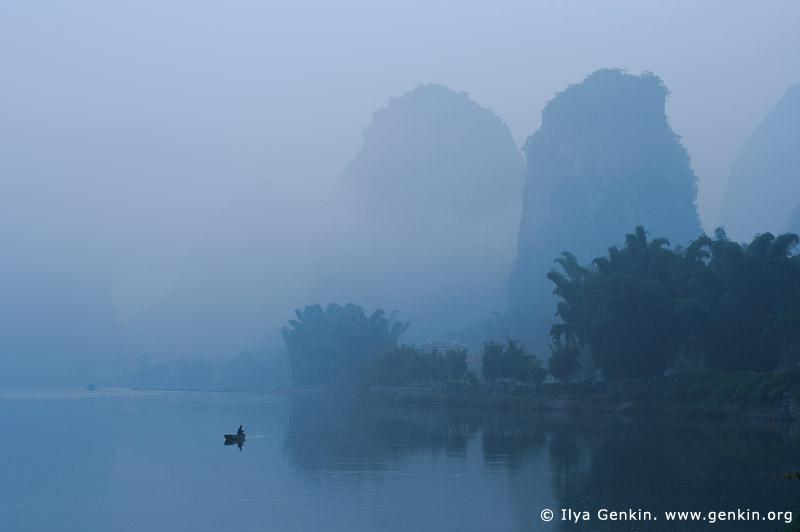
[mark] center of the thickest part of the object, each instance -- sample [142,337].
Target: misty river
[129,460]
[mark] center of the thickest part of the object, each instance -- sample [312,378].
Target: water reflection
[679,465]
[350,435]
[238,444]
[319,462]
[569,461]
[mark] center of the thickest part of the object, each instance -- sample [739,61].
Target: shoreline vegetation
[744,395]
[736,395]
[712,329]
[709,395]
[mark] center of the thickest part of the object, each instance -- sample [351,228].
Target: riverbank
[741,394]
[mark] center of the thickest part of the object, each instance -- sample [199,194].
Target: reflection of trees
[677,466]
[568,460]
[329,433]
[326,433]
[508,440]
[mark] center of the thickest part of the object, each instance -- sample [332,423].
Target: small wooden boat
[234,438]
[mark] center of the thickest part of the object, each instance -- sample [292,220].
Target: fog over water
[170,172]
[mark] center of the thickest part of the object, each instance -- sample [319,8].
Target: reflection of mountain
[603,161]
[429,214]
[764,183]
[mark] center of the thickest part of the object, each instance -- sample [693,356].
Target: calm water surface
[141,460]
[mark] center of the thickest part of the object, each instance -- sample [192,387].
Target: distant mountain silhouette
[603,161]
[435,152]
[793,225]
[429,213]
[764,183]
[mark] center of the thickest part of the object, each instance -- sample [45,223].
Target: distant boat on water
[237,438]
[91,387]
[234,438]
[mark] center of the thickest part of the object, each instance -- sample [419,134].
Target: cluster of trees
[408,366]
[342,346]
[334,344]
[641,310]
[509,362]
[715,304]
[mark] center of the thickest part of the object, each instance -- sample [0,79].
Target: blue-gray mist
[166,170]
[764,183]
[215,215]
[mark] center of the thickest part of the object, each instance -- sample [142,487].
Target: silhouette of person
[240,431]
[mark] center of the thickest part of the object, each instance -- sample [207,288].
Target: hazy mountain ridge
[764,181]
[426,218]
[439,151]
[793,224]
[604,161]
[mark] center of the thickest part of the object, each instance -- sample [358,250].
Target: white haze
[180,156]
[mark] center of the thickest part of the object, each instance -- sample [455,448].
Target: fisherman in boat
[240,431]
